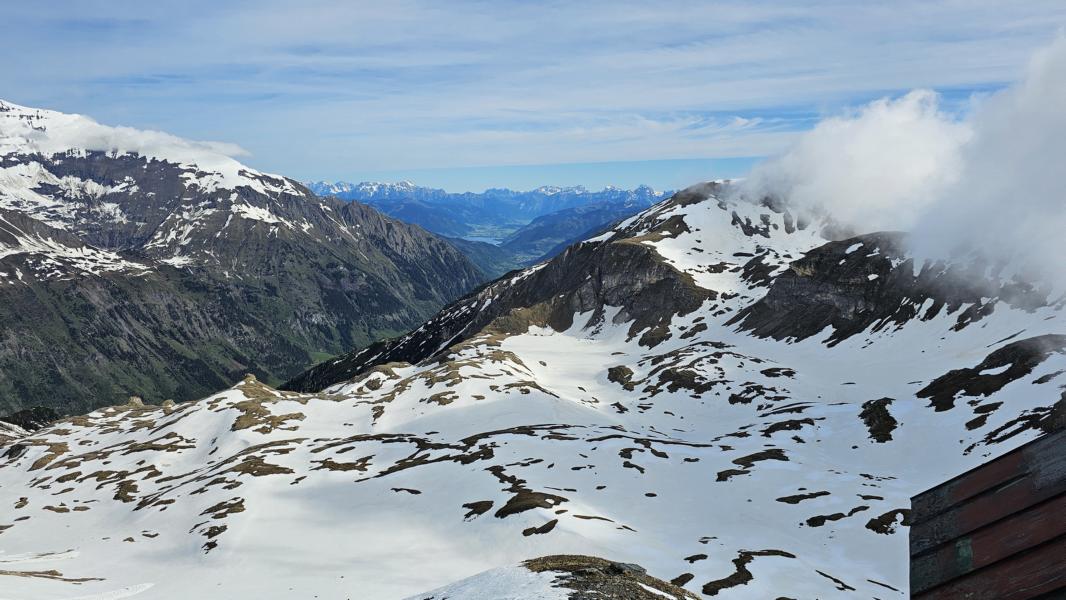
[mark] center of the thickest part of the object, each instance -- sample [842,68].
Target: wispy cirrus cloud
[323,89]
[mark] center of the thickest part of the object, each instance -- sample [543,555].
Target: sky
[471,95]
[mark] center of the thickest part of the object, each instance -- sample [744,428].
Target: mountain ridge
[137,263]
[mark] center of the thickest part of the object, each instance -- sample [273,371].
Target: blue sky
[469,95]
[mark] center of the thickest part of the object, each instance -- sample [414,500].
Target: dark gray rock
[874,287]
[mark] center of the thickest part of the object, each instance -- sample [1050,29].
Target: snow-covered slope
[181,202]
[636,399]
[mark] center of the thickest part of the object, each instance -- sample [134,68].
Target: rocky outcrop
[590,577]
[32,419]
[1003,366]
[868,281]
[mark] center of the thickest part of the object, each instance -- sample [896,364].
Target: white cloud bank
[1010,195]
[994,181]
[876,168]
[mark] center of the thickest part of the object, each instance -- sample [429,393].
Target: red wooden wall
[997,532]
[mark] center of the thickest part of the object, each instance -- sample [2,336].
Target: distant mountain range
[525,227]
[138,263]
[500,202]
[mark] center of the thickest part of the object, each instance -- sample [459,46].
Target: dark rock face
[586,277]
[872,285]
[875,414]
[78,344]
[234,280]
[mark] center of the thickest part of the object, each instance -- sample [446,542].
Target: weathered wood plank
[996,532]
[1022,577]
[1034,474]
[985,509]
[990,544]
[1048,449]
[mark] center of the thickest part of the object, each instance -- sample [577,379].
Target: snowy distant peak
[328,188]
[551,190]
[375,187]
[374,190]
[369,189]
[324,187]
[608,191]
[49,134]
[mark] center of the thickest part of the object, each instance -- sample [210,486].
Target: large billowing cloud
[994,181]
[876,168]
[1009,199]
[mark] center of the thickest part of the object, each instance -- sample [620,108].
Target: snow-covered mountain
[136,262]
[711,390]
[377,190]
[367,190]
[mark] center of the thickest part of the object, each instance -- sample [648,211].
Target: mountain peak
[210,165]
[172,249]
